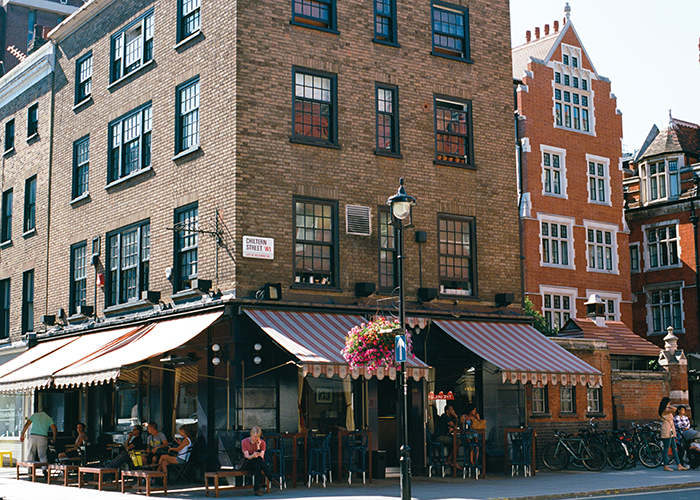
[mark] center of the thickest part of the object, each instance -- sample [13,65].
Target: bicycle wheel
[651,455]
[555,457]
[617,454]
[594,457]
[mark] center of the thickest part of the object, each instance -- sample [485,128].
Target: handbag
[479,424]
[241,464]
[136,458]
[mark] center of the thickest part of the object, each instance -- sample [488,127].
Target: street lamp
[401,205]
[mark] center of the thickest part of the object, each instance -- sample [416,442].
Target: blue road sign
[400,348]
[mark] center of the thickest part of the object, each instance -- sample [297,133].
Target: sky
[648,50]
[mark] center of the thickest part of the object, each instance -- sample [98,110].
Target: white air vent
[357,220]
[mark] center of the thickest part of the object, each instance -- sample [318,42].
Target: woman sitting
[182,452]
[71,452]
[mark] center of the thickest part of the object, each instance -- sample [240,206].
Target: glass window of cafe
[462,382]
[11,409]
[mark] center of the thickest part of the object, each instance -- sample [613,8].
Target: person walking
[668,433]
[40,422]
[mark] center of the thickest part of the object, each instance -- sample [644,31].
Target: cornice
[32,70]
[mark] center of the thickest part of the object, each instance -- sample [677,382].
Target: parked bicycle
[570,448]
[647,444]
[617,451]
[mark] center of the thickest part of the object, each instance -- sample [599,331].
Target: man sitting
[156,444]
[444,430]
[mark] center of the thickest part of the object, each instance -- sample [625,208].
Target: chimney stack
[537,33]
[528,36]
[556,26]
[546,29]
[595,309]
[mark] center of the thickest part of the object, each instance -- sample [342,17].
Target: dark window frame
[182,249]
[78,286]
[384,18]
[332,141]
[333,254]
[388,248]
[81,168]
[33,120]
[28,301]
[6,222]
[190,23]
[9,135]
[442,51]
[5,297]
[394,138]
[179,120]
[116,164]
[30,186]
[119,278]
[83,81]
[466,107]
[472,279]
[118,45]
[316,22]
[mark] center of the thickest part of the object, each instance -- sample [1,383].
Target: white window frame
[660,287]
[557,219]
[570,400]
[615,297]
[605,178]
[539,400]
[647,245]
[645,179]
[639,258]
[571,293]
[594,400]
[573,74]
[562,168]
[613,230]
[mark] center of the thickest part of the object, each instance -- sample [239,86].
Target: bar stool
[473,459]
[436,454]
[274,450]
[521,452]
[320,458]
[357,449]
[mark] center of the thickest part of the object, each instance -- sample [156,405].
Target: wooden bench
[216,476]
[100,472]
[67,469]
[32,466]
[146,475]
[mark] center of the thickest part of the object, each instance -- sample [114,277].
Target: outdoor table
[506,460]
[341,435]
[457,440]
[295,436]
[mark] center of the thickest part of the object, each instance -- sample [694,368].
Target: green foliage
[538,320]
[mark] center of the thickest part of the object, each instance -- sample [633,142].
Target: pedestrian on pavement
[40,423]
[668,433]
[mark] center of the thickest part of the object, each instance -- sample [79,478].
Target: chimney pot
[537,33]
[556,26]
[546,29]
[528,36]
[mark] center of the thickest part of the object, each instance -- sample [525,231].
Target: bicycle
[557,456]
[646,442]
[617,451]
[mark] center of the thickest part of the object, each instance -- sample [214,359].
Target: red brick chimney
[528,36]
[537,33]
[546,29]
[556,26]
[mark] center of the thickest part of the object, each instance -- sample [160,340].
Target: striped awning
[316,339]
[522,353]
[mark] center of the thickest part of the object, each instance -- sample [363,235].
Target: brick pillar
[674,362]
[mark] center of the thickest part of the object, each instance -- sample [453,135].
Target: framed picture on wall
[324,395]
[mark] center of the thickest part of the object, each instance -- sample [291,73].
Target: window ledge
[655,334]
[554,195]
[311,26]
[569,129]
[132,175]
[30,138]
[388,154]
[84,196]
[29,233]
[133,305]
[541,415]
[309,286]
[191,37]
[82,103]
[603,271]
[8,152]
[567,414]
[132,73]
[299,140]
[454,58]
[555,266]
[468,166]
[186,152]
[662,268]
[6,244]
[595,415]
[601,203]
[188,295]
[385,42]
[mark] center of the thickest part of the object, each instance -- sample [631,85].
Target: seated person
[134,441]
[254,451]
[71,452]
[182,452]
[156,444]
[682,423]
[446,425]
[471,419]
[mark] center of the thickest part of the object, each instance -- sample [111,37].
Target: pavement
[544,485]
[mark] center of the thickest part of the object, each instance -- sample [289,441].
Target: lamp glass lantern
[401,203]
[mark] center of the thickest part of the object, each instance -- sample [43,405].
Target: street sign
[400,348]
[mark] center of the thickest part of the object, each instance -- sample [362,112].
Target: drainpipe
[521,189]
[694,219]
[48,186]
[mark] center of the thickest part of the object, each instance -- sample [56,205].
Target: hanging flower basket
[372,345]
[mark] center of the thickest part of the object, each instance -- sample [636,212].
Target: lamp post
[401,205]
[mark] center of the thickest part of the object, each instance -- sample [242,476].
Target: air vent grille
[358,220]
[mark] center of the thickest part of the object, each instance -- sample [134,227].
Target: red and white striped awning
[522,353]
[316,339]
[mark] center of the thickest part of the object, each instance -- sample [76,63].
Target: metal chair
[436,454]
[356,443]
[473,458]
[520,452]
[181,472]
[274,452]
[320,458]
